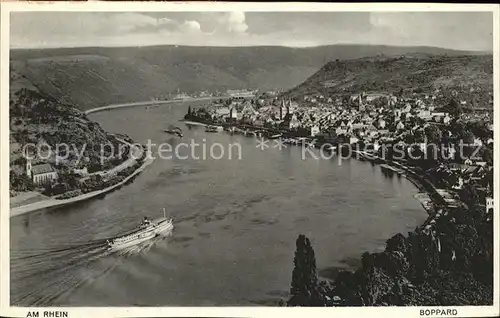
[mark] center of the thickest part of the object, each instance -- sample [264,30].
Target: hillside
[91,77]
[36,118]
[470,76]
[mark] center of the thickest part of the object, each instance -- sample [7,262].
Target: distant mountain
[90,77]
[471,76]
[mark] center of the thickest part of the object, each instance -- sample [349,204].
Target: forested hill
[91,77]
[470,77]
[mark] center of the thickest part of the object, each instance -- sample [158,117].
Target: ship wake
[39,277]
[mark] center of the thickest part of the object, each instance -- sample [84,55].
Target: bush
[20,182]
[56,189]
[69,194]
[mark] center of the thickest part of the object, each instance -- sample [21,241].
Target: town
[441,133]
[445,143]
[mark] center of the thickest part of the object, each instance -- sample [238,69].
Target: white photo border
[7,310]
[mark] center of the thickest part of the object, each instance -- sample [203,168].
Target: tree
[20,182]
[468,137]
[305,286]
[433,134]
[454,108]
[399,93]
[419,136]
[487,155]
[409,138]
[469,195]
[69,178]
[457,128]
[480,129]
[94,165]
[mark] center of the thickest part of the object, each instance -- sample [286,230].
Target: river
[236,222]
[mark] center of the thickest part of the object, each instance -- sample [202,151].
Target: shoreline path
[51,203]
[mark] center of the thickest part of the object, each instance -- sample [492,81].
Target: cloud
[459,30]
[127,22]
[190,27]
[456,30]
[162,21]
[234,22]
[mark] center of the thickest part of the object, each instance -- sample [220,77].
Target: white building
[240,93]
[40,174]
[233,113]
[423,147]
[294,122]
[459,184]
[82,172]
[424,114]
[314,130]
[439,114]
[340,131]
[353,140]
[489,205]
[406,109]
[222,111]
[381,123]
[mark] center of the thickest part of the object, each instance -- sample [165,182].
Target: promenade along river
[236,222]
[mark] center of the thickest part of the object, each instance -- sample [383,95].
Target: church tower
[28,167]
[361,107]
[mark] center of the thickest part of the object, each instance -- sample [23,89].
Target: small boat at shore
[147,230]
[250,133]
[214,128]
[174,131]
[291,141]
[238,131]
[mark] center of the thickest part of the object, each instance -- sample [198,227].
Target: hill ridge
[471,76]
[95,76]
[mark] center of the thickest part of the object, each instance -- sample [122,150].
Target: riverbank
[446,261]
[43,202]
[52,203]
[47,202]
[149,103]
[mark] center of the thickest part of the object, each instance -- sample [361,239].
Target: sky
[454,30]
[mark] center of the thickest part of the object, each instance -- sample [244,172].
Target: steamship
[147,230]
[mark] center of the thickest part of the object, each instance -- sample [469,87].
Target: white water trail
[41,277]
